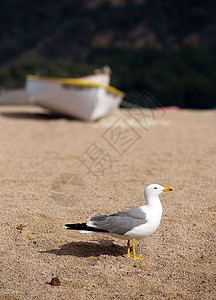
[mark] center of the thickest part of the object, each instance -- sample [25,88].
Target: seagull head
[154,190]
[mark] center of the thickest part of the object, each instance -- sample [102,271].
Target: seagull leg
[128,248]
[134,255]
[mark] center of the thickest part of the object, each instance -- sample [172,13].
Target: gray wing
[120,222]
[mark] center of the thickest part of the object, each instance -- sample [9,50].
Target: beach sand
[55,171]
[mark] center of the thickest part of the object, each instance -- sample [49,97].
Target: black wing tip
[67,226]
[83,226]
[78,226]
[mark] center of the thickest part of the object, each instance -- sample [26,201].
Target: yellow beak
[169,188]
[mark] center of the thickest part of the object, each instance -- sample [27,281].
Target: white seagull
[132,224]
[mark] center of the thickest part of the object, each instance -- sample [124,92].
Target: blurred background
[165,47]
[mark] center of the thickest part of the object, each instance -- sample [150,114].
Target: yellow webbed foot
[134,255]
[139,257]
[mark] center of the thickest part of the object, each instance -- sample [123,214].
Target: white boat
[87,98]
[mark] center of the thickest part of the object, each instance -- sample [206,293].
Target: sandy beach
[55,171]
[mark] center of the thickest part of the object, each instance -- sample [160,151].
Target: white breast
[153,221]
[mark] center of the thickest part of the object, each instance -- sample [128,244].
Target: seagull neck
[153,201]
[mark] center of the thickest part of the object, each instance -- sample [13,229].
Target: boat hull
[78,98]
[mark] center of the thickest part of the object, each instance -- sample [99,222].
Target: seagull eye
[155,187]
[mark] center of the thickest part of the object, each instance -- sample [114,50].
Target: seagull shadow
[89,249]
[35,116]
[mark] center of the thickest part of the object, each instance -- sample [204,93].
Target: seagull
[132,224]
